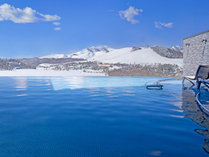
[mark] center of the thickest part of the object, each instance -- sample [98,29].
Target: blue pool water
[98,117]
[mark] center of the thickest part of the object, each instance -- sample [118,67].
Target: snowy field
[34,72]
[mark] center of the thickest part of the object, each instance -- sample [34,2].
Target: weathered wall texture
[196,52]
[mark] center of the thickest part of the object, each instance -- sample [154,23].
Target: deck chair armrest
[190,79]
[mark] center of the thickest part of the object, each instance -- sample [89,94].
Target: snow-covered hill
[86,53]
[177,48]
[173,52]
[128,55]
[89,53]
[55,56]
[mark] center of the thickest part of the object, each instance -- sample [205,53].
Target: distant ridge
[173,52]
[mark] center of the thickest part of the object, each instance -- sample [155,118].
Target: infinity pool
[99,117]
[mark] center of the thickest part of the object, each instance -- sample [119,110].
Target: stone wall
[196,52]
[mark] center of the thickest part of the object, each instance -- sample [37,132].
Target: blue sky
[64,26]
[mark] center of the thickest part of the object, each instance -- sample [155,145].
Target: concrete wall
[196,52]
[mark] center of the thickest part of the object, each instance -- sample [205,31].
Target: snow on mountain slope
[55,56]
[173,52]
[177,48]
[88,53]
[129,55]
[84,54]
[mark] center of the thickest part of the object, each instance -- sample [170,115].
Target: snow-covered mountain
[177,48]
[89,53]
[129,55]
[86,53]
[55,56]
[173,52]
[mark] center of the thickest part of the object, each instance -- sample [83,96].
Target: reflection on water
[67,83]
[98,116]
[20,83]
[97,82]
[155,153]
[188,104]
[197,115]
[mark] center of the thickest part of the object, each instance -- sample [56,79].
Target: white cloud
[57,28]
[130,14]
[26,15]
[161,25]
[56,23]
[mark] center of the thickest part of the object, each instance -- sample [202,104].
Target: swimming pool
[99,117]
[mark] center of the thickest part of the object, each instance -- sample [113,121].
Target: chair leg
[183,80]
[198,84]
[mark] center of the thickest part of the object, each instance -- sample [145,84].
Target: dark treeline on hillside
[31,63]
